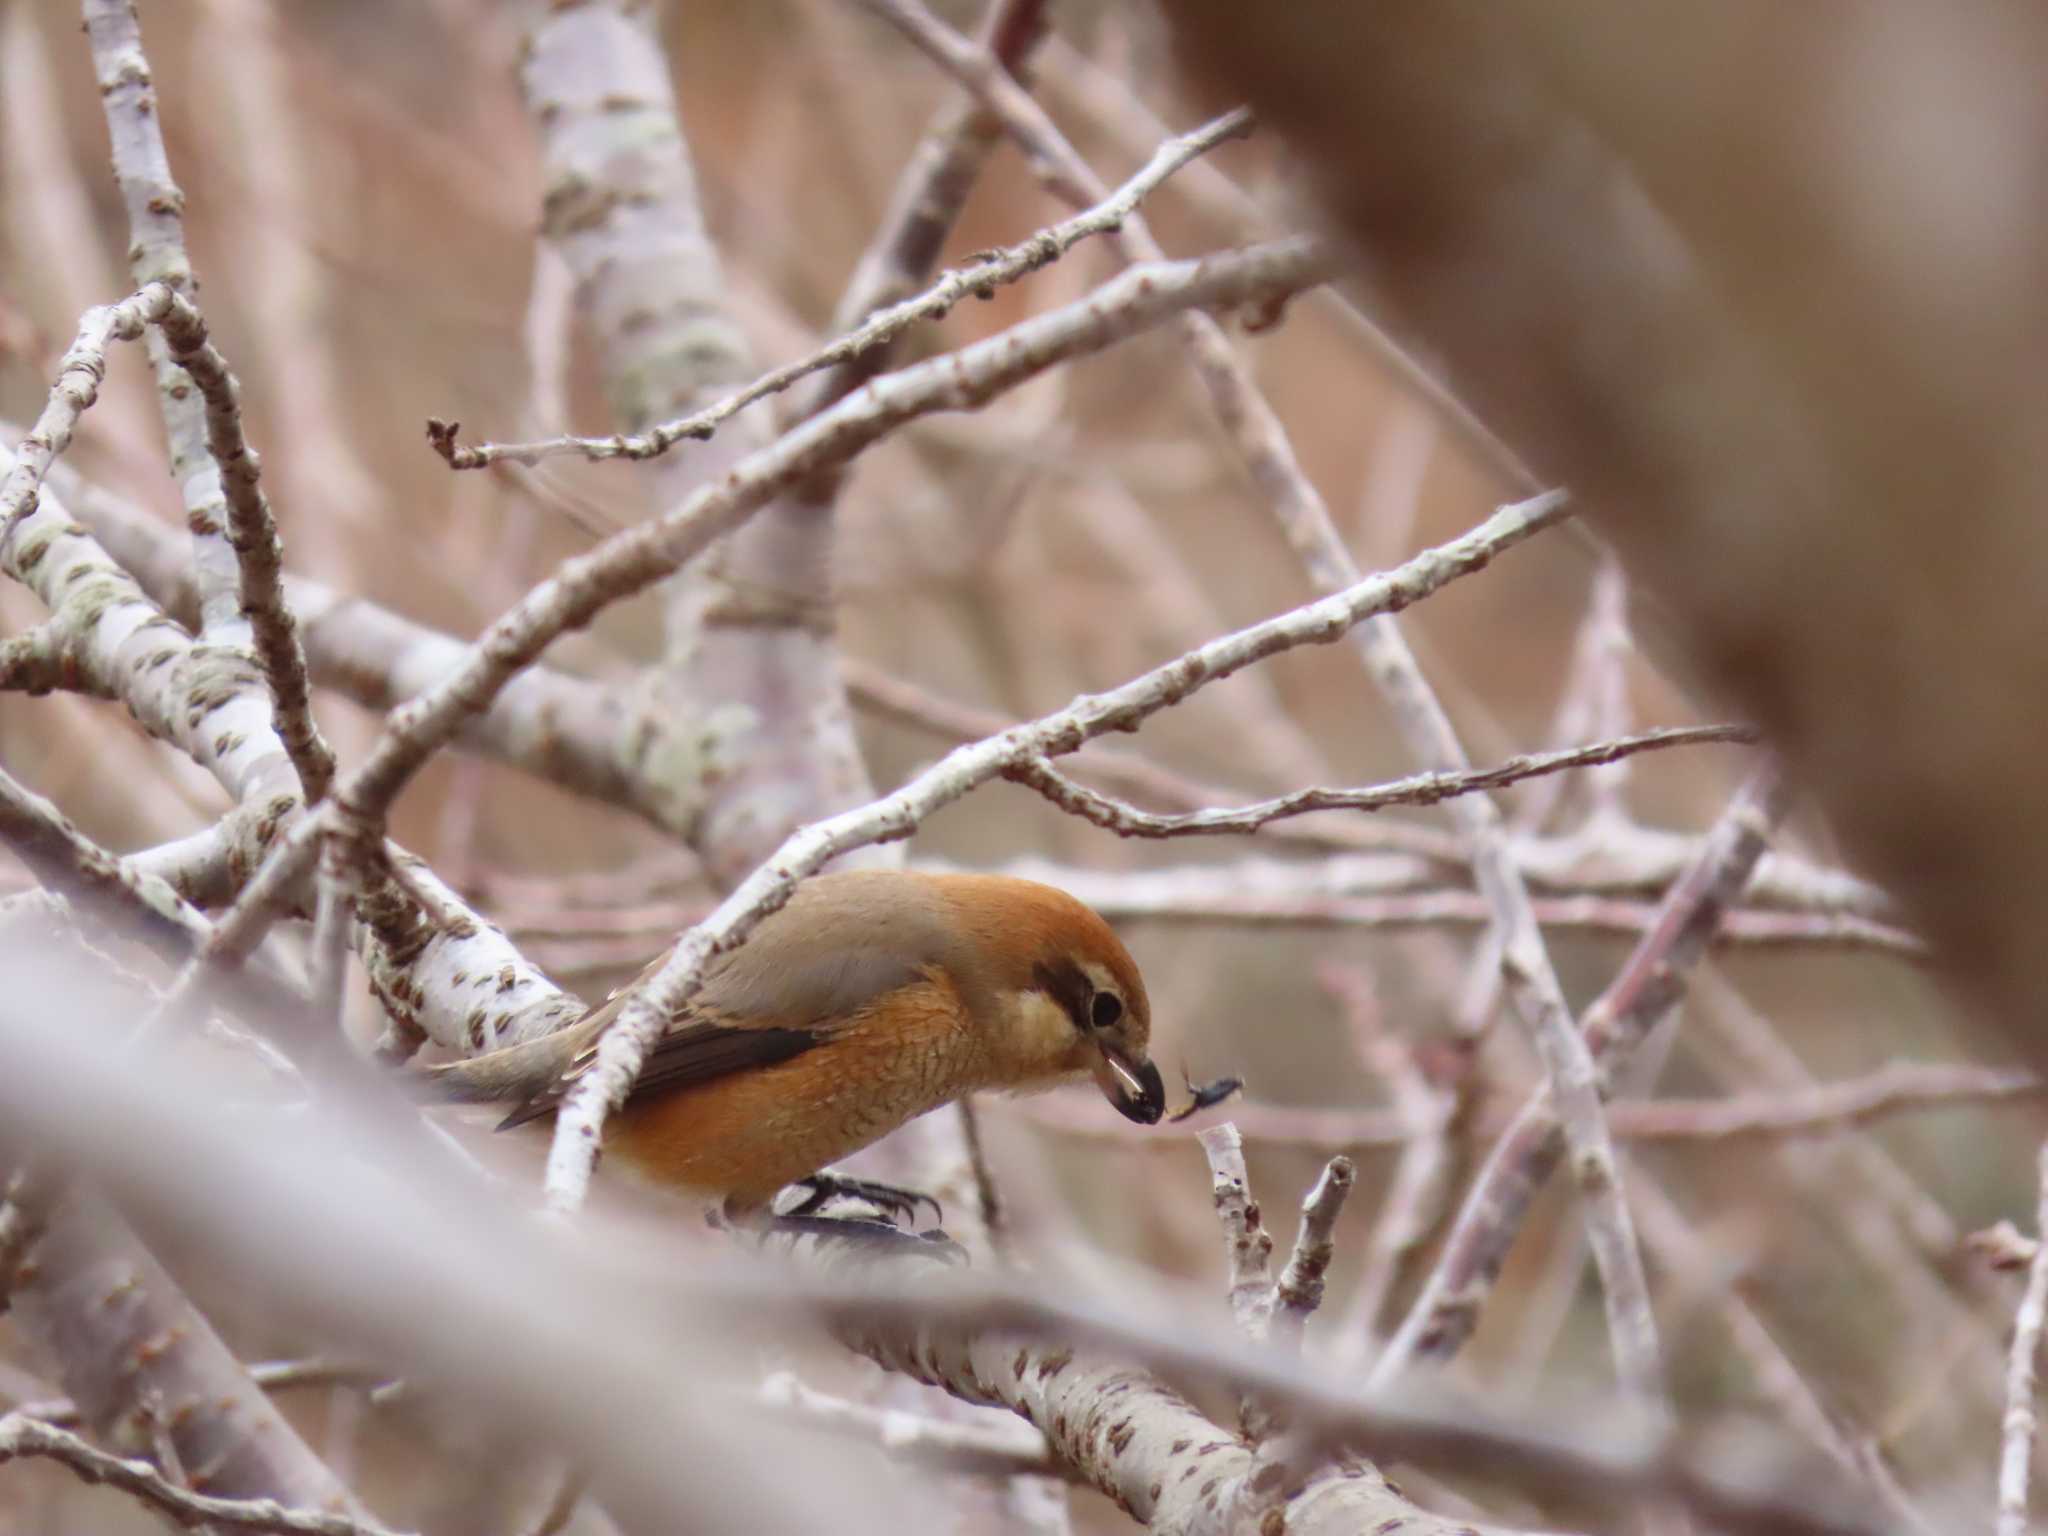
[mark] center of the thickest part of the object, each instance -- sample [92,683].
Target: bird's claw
[880,1236]
[900,1204]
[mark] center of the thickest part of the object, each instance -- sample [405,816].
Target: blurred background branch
[1760,312]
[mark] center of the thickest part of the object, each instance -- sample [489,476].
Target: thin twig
[23,1436]
[1821,1110]
[72,394]
[1825,1109]
[930,194]
[918,707]
[1299,1290]
[157,254]
[271,1375]
[555,726]
[125,901]
[978,280]
[259,555]
[1247,1245]
[1902,1236]
[1686,1251]
[995,1216]
[137,905]
[1612,646]
[26,1200]
[1108,100]
[997,1449]
[1417,1195]
[2017,1456]
[1647,986]
[1248,893]
[636,557]
[1428,788]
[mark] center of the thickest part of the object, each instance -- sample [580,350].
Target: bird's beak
[1134,1087]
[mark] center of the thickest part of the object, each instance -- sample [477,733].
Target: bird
[871,997]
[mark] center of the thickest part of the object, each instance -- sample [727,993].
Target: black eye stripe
[1068,985]
[1106,1009]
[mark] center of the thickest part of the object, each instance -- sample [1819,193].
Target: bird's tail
[514,1074]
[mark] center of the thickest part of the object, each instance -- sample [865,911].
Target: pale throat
[1043,1040]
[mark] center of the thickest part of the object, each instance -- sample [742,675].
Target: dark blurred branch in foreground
[1837,503]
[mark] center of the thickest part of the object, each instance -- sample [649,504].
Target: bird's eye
[1105,1010]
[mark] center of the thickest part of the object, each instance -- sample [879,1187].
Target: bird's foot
[899,1204]
[877,1236]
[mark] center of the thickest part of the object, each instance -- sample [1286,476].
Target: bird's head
[1065,994]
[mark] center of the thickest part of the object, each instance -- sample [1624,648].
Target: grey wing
[853,954]
[689,1053]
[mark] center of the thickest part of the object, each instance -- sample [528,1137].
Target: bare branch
[156,254]
[238,567]
[597,1332]
[1824,1109]
[25,1204]
[271,1375]
[632,560]
[1106,98]
[1299,1291]
[101,1305]
[926,203]
[1816,1111]
[975,281]
[748,651]
[997,1449]
[987,1350]
[1651,981]
[2017,1454]
[1613,859]
[624,1045]
[988,1199]
[205,700]
[1429,788]
[1247,1246]
[76,387]
[64,859]
[259,555]
[338,882]
[1261,442]
[565,729]
[1340,892]
[21,1436]
[30,663]
[909,704]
